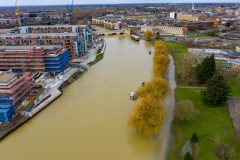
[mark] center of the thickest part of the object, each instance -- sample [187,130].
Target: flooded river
[89,121]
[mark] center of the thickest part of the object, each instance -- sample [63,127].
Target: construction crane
[70,13]
[18,14]
[193,7]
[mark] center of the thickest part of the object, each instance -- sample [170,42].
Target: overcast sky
[55,2]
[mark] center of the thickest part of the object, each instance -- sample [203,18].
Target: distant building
[234,63]
[166,30]
[237,49]
[233,34]
[10,22]
[13,89]
[71,41]
[233,55]
[84,31]
[34,58]
[106,23]
[197,25]
[173,15]
[187,17]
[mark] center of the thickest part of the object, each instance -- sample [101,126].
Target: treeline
[148,114]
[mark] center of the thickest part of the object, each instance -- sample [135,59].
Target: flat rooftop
[29,47]
[54,26]
[37,35]
[6,77]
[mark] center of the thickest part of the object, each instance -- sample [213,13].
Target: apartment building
[71,41]
[109,24]
[84,31]
[50,58]
[13,89]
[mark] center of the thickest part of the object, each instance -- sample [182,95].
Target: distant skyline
[65,2]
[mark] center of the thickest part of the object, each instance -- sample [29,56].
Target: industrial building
[46,58]
[13,89]
[71,41]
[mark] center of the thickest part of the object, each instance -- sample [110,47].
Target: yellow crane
[18,14]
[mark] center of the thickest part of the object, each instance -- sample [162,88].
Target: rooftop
[6,77]
[54,26]
[233,54]
[27,48]
[234,61]
[36,35]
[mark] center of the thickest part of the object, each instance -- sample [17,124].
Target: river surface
[89,121]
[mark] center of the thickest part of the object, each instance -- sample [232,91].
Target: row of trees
[148,115]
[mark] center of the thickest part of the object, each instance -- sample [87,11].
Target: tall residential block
[45,58]
[83,30]
[71,41]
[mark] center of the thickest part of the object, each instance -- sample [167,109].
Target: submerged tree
[160,59]
[158,37]
[148,116]
[156,88]
[148,35]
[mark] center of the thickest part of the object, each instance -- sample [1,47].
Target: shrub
[185,111]
[194,138]
[188,156]
[224,152]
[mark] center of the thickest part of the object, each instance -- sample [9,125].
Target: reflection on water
[89,122]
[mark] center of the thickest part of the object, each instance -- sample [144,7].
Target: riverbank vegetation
[212,123]
[148,115]
[99,54]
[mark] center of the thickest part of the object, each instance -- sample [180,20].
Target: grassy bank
[176,47]
[178,50]
[235,88]
[99,54]
[212,124]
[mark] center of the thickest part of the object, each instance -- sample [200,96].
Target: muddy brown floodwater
[89,121]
